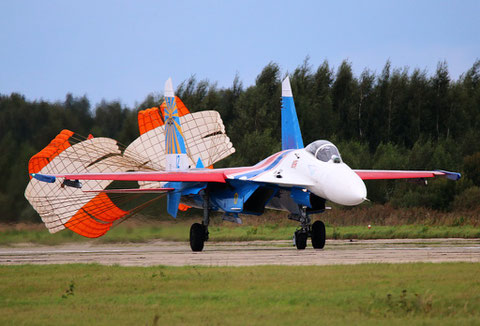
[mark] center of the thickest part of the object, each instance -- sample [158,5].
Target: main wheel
[300,240]
[318,235]
[197,237]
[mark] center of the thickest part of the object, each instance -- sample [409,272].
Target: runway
[247,253]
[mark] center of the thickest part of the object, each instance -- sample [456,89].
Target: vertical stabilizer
[291,135]
[176,152]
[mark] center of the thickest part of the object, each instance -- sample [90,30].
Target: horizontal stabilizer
[186,176]
[133,191]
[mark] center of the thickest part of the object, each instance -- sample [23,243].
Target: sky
[125,50]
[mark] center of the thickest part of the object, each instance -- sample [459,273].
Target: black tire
[197,237]
[318,235]
[300,240]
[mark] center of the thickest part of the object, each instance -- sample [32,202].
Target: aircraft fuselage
[285,181]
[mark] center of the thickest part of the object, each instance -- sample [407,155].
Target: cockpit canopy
[324,151]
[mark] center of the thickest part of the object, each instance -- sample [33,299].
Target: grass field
[426,294]
[179,231]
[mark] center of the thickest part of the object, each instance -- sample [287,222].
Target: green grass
[179,231]
[369,294]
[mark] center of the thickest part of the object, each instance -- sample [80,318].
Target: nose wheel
[300,239]
[318,235]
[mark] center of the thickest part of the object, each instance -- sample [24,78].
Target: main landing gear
[199,232]
[316,231]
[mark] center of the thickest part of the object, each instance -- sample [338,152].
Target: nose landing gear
[316,231]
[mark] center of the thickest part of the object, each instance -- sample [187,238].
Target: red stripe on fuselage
[231,173]
[273,167]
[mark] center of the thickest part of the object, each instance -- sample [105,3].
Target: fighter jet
[299,179]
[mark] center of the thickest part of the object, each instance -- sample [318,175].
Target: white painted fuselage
[336,182]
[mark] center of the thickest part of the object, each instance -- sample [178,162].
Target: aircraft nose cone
[356,193]
[346,188]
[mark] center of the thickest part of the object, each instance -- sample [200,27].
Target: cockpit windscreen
[324,150]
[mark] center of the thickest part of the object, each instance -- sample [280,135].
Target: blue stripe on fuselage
[254,173]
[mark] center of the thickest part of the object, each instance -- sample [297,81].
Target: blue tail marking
[174,141]
[291,134]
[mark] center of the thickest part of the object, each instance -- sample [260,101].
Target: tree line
[395,119]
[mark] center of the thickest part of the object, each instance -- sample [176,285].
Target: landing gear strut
[302,234]
[199,232]
[315,231]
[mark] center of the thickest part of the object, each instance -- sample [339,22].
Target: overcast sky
[124,50]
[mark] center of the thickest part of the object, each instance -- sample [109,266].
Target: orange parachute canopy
[96,217]
[46,155]
[149,119]
[153,117]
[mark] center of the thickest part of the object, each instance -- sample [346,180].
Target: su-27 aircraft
[298,179]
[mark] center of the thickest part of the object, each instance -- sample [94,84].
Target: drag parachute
[87,210]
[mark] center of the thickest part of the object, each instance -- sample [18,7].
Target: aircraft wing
[206,175]
[403,174]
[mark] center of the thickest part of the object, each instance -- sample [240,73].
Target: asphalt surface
[247,253]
